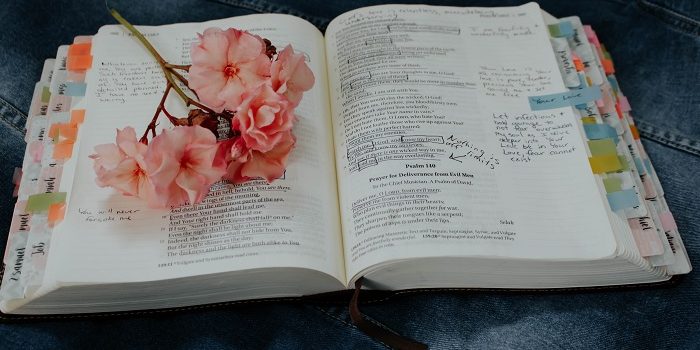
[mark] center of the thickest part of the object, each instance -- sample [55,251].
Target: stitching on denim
[668,138]
[672,17]
[265,7]
[352,325]
[12,116]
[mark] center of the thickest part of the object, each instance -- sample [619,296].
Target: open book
[440,147]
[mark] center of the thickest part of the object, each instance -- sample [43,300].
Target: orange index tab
[635,132]
[57,212]
[63,150]
[81,62]
[77,116]
[605,164]
[618,110]
[67,132]
[54,130]
[607,66]
[81,49]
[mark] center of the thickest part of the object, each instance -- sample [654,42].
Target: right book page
[438,149]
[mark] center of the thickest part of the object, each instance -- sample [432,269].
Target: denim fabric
[656,48]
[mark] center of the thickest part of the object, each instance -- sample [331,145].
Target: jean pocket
[682,15]
[12,117]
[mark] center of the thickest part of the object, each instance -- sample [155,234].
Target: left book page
[293,222]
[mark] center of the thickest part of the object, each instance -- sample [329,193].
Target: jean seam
[12,116]
[266,7]
[672,17]
[668,138]
[348,324]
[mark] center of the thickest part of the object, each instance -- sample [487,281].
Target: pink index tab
[590,34]
[645,236]
[667,221]
[17,176]
[82,39]
[35,149]
[625,104]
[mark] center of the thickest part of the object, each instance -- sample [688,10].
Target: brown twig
[179,77]
[186,68]
[152,125]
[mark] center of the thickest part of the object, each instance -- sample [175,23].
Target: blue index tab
[564,99]
[613,82]
[561,29]
[640,167]
[623,199]
[600,131]
[75,89]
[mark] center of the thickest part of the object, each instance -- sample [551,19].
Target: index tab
[564,99]
[63,150]
[624,104]
[75,89]
[667,221]
[612,184]
[602,147]
[623,199]
[589,120]
[600,131]
[83,62]
[57,212]
[81,49]
[45,94]
[77,116]
[605,164]
[607,66]
[634,131]
[42,201]
[561,29]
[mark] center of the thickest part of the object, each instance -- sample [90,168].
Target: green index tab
[42,201]
[612,184]
[602,147]
[45,94]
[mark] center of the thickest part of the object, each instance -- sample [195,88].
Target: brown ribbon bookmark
[381,334]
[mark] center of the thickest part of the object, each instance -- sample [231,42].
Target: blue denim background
[656,48]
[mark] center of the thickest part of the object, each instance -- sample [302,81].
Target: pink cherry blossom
[122,165]
[263,117]
[225,64]
[181,162]
[290,75]
[246,164]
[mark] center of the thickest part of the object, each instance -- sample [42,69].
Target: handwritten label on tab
[564,99]
[623,199]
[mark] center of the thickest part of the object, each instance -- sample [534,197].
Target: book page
[438,151]
[293,222]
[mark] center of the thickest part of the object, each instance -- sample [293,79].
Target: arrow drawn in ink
[452,156]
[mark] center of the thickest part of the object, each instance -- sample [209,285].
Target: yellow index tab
[602,147]
[605,164]
[588,120]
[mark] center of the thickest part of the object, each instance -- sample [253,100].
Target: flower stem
[178,66]
[163,64]
[161,107]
